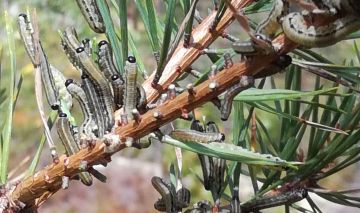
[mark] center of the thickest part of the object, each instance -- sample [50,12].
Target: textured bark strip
[184,57]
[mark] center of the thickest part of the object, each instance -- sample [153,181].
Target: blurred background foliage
[56,15]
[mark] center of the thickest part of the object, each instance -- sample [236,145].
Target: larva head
[115,77]
[85,41]
[23,15]
[131,59]
[101,43]
[284,61]
[80,49]
[68,82]
[222,136]
[54,107]
[196,125]
[62,115]
[83,76]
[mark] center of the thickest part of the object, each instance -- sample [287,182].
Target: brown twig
[33,191]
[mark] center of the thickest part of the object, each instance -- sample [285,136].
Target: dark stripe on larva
[88,126]
[94,104]
[118,88]
[228,99]
[105,61]
[102,87]
[195,136]
[92,15]
[63,129]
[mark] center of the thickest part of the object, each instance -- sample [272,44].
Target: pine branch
[33,191]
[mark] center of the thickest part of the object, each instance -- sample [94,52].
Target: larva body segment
[289,197]
[88,126]
[130,96]
[296,30]
[271,24]
[196,136]
[92,15]
[65,97]
[106,63]
[32,49]
[70,43]
[164,189]
[64,132]
[94,105]
[102,87]
[347,14]
[141,98]
[118,89]
[26,31]
[226,105]
[219,165]
[207,165]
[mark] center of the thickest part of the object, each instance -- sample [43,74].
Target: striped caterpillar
[102,87]
[92,15]
[64,132]
[88,127]
[171,200]
[347,20]
[289,197]
[245,83]
[26,33]
[196,136]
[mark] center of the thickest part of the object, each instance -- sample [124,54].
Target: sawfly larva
[106,63]
[245,83]
[92,15]
[206,162]
[164,188]
[130,95]
[64,132]
[94,104]
[102,87]
[271,24]
[118,89]
[88,126]
[196,136]
[289,197]
[296,30]
[275,67]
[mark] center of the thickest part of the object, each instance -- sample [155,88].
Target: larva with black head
[288,197]
[275,67]
[196,136]
[94,104]
[92,15]
[106,63]
[245,83]
[64,132]
[87,46]
[206,162]
[164,188]
[102,87]
[130,96]
[25,30]
[219,165]
[118,89]
[88,126]
[69,43]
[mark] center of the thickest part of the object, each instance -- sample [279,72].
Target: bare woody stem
[33,191]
